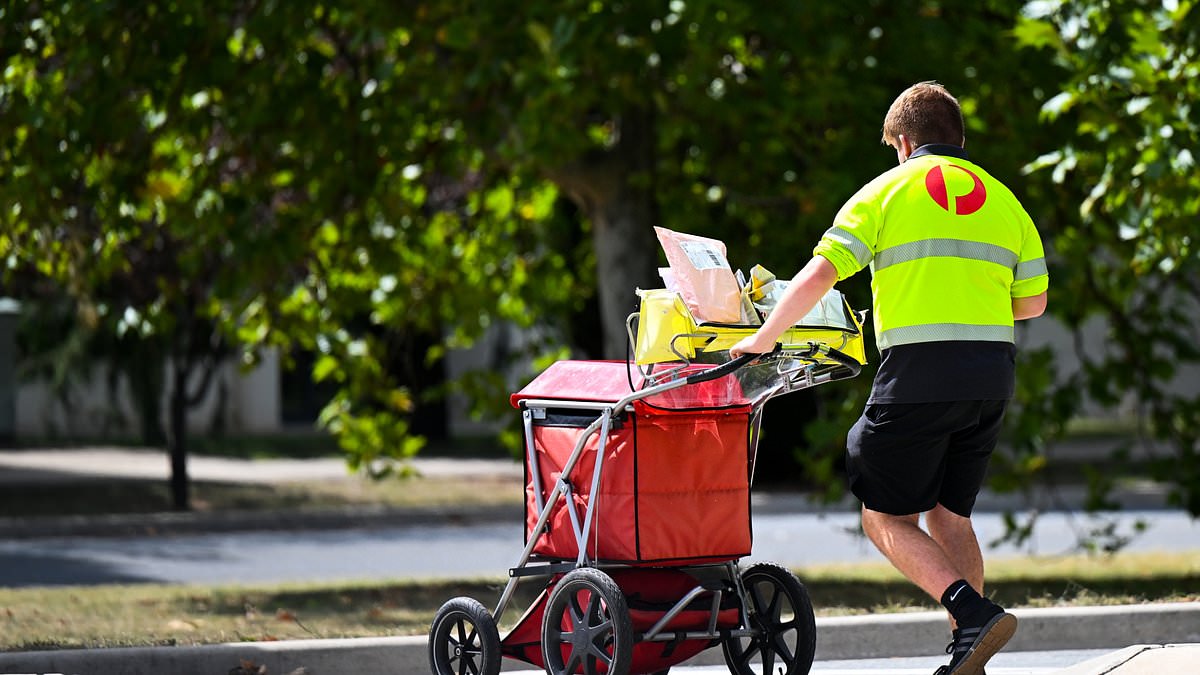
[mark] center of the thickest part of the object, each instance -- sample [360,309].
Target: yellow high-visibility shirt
[949,247]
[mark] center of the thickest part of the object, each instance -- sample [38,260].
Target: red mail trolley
[637,511]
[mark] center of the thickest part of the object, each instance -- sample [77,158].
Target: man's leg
[916,554]
[904,458]
[983,627]
[955,535]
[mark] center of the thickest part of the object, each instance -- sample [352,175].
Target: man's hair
[924,113]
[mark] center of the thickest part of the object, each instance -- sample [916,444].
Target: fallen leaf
[248,668]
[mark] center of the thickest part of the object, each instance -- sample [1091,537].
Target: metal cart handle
[727,367]
[847,366]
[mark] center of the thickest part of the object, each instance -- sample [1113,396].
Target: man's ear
[906,146]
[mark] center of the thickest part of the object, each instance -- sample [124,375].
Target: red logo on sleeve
[964,205]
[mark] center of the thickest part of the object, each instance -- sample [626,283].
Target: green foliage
[1124,186]
[261,168]
[363,180]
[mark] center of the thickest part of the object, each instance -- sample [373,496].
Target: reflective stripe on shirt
[1030,269]
[861,252]
[945,248]
[935,332]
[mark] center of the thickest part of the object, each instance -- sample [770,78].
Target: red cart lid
[609,382]
[602,381]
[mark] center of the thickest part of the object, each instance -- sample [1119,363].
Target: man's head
[924,113]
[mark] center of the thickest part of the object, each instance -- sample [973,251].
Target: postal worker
[954,260]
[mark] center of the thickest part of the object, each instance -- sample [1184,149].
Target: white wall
[1046,331]
[253,401]
[252,405]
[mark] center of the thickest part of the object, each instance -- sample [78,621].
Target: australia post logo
[956,189]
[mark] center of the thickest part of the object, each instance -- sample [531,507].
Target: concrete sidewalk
[100,462]
[1142,660]
[75,465]
[1164,639]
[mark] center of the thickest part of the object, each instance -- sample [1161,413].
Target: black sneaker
[973,647]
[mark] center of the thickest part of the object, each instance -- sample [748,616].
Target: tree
[720,119]
[95,180]
[173,167]
[339,177]
[1124,184]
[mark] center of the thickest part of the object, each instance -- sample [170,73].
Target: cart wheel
[781,616]
[587,628]
[464,639]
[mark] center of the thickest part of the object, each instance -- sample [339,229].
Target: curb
[364,656]
[850,637]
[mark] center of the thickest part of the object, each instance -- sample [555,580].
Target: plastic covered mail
[702,276]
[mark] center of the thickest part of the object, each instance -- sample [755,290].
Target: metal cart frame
[583,613]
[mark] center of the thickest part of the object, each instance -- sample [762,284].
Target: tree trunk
[616,192]
[625,260]
[177,440]
[145,376]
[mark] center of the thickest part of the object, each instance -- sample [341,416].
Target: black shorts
[906,458]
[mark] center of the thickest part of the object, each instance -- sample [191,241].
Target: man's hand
[752,344]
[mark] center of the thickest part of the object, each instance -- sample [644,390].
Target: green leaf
[1057,105]
[324,367]
[1036,33]
[541,37]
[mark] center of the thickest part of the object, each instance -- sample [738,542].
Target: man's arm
[803,293]
[1029,307]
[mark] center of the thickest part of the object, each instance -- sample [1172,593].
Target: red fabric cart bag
[650,593]
[675,486]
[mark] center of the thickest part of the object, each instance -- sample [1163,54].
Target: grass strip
[152,614]
[125,496]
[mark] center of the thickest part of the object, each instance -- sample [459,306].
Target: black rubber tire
[587,613]
[781,616]
[464,639]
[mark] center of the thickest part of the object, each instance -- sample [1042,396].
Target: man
[955,260]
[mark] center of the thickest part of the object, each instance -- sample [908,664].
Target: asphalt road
[486,549]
